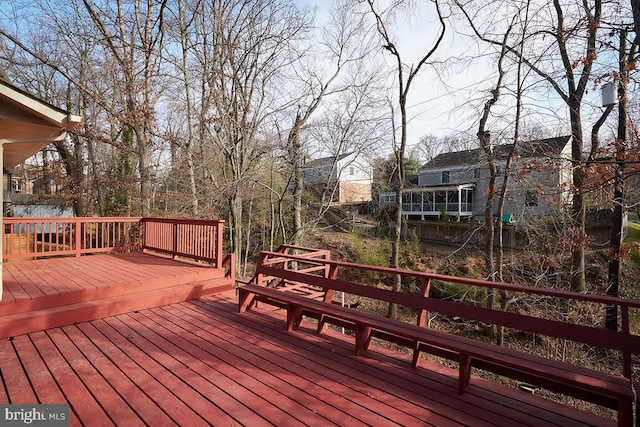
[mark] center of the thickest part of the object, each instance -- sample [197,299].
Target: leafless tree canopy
[210,108]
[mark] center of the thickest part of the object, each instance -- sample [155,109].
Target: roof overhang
[28,124]
[451,187]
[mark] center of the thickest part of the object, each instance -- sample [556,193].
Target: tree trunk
[188,148]
[144,171]
[296,157]
[578,281]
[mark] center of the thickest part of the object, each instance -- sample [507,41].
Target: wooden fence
[31,238]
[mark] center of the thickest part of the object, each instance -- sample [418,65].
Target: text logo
[34,415]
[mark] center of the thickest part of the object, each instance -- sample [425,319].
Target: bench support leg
[294,316]
[245,300]
[363,334]
[465,372]
[625,413]
[416,355]
[321,325]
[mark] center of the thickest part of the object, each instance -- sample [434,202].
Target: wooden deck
[44,293]
[202,363]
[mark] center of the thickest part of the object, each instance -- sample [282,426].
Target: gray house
[456,184]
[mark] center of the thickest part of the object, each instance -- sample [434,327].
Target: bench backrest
[322,273]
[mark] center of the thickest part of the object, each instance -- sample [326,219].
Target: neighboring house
[456,184]
[32,205]
[342,179]
[33,179]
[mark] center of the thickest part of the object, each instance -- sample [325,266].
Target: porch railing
[191,238]
[30,238]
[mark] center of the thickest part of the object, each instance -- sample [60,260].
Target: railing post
[142,234]
[175,240]
[258,277]
[331,274]
[218,243]
[626,356]
[78,229]
[425,287]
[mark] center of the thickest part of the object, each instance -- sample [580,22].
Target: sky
[453,109]
[431,107]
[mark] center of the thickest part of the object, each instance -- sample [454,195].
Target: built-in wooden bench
[609,390]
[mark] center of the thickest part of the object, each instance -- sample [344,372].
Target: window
[531,199]
[387,199]
[352,170]
[445,177]
[476,174]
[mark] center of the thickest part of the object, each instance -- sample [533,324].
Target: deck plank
[16,380]
[379,388]
[10,293]
[78,396]
[60,271]
[20,286]
[157,381]
[229,391]
[208,397]
[211,349]
[40,378]
[375,390]
[531,411]
[348,396]
[41,278]
[363,382]
[112,403]
[39,284]
[134,395]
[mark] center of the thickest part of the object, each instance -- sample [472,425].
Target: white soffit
[28,124]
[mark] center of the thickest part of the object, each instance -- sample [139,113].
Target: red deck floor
[40,294]
[62,276]
[202,363]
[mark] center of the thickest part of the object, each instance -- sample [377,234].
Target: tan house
[343,179]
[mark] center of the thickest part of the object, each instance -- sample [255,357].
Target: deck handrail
[64,236]
[197,239]
[629,342]
[269,257]
[30,238]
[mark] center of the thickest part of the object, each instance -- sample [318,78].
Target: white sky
[452,110]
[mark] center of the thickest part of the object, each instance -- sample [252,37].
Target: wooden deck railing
[45,237]
[191,238]
[29,238]
[534,305]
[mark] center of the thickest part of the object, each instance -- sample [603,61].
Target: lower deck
[44,293]
[201,362]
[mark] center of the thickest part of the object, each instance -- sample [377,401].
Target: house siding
[542,189]
[349,173]
[352,192]
[433,178]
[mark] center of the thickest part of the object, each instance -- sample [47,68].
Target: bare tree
[568,24]
[342,46]
[181,27]
[252,46]
[405,76]
[133,37]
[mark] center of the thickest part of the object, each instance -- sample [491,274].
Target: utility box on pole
[609,94]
